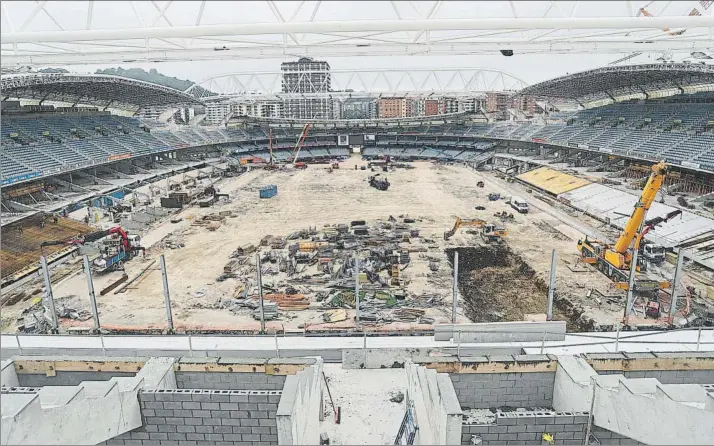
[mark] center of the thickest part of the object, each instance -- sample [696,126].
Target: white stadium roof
[82,32]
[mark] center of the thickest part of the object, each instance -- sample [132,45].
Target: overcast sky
[530,68]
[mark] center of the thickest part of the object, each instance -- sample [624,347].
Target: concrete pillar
[259,273]
[631,286]
[675,285]
[455,287]
[167,298]
[158,373]
[49,300]
[8,375]
[90,289]
[551,287]
[573,388]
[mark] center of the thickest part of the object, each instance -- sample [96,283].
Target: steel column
[49,298]
[167,298]
[455,287]
[631,286]
[260,293]
[551,287]
[90,288]
[675,285]
[357,323]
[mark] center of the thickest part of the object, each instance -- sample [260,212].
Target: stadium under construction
[461,277]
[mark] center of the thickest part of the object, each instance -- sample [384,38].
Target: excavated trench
[498,285]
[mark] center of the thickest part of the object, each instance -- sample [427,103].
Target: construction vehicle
[115,250]
[615,261]
[378,183]
[298,145]
[489,232]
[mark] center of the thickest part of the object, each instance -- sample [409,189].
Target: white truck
[519,204]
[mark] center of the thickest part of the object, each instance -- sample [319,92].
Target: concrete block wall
[205,417]
[229,380]
[437,412]
[528,427]
[67,378]
[668,376]
[485,390]
[300,409]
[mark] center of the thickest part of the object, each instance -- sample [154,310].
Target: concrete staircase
[89,413]
[677,413]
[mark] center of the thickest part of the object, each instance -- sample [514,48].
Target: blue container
[268,191]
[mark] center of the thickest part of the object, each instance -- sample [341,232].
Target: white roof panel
[604,201]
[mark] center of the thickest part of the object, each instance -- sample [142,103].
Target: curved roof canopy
[626,82]
[99,90]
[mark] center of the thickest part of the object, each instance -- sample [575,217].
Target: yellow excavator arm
[468,223]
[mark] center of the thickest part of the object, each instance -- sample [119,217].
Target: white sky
[530,68]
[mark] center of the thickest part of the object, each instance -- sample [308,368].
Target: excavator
[113,254]
[615,261]
[489,231]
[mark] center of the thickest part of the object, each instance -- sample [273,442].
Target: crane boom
[634,224]
[300,142]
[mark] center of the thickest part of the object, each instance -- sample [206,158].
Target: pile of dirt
[497,285]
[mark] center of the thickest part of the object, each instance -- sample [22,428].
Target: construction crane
[114,254]
[489,231]
[298,146]
[615,260]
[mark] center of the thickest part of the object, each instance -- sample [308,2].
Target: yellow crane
[615,261]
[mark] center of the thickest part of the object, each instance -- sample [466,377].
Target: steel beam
[250,29]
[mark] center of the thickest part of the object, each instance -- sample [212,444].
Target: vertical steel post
[259,272]
[551,287]
[167,298]
[49,298]
[631,286]
[675,285]
[190,345]
[277,349]
[542,342]
[90,288]
[617,338]
[357,323]
[455,287]
[699,335]
[19,347]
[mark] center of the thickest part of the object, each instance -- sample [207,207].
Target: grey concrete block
[175,421]
[212,421]
[272,439]
[186,429]
[188,443]
[193,421]
[248,422]
[177,437]
[232,437]
[507,437]
[230,422]
[167,428]
[526,436]
[239,413]
[158,436]
[203,430]
[139,435]
[257,398]
[220,397]
[155,420]
[153,405]
[535,428]
[243,430]
[214,437]
[196,437]
[229,406]
[251,437]
[148,412]
[258,414]
[556,428]
[210,406]
[238,398]
[183,413]
[270,422]
[171,405]
[260,430]
[223,429]
[202,397]
[201,413]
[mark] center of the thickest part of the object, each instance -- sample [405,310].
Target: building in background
[358,108]
[526,104]
[306,76]
[390,108]
[448,105]
[431,107]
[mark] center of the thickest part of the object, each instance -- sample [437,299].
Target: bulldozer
[489,232]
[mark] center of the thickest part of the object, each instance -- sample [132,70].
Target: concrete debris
[396,396]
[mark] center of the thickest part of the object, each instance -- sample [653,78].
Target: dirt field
[433,194]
